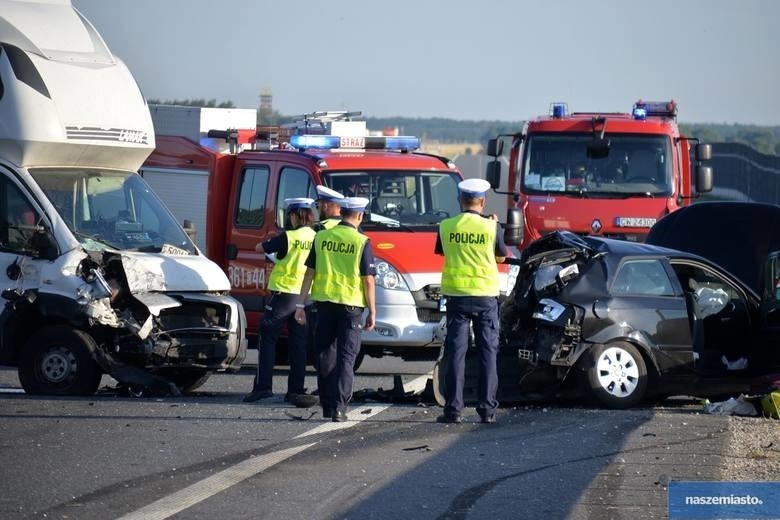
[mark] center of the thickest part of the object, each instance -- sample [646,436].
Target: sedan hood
[151,272]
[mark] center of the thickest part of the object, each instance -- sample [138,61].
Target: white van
[96,274]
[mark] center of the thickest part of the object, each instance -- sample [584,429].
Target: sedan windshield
[400,198]
[635,165]
[107,209]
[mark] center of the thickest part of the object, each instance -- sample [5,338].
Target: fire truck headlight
[388,277]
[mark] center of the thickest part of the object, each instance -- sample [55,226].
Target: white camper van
[96,274]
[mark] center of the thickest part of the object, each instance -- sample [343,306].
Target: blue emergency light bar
[643,109]
[401,143]
[559,110]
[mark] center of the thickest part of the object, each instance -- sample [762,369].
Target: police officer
[329,208]
[472,245]
[341,275]
[291,248]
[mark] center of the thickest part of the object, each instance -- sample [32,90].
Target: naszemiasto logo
[94,133]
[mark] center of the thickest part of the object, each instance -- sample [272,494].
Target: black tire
[438,383]
[57,360]
[469,379]
[187,380]
[616,375]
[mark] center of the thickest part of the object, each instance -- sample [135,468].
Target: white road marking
[355,415]
[11,390]
[208,487]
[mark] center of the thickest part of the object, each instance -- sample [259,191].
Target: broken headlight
[548,310]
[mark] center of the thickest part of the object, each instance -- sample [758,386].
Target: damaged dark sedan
[627,321]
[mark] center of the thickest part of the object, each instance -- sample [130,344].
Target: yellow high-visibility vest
[287,274]
[337,272]
[470,268]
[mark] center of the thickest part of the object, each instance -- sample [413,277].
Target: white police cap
[474,187]
[354,203]
[298,203]
[325,193]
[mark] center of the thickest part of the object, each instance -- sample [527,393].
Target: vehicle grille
[429,315]
[194,315]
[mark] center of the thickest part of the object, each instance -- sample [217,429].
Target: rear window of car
[645,277]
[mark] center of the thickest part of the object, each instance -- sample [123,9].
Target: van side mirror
[703,178]
[703,152]
[514,227]
[495,147]
[493,174]
[43,244]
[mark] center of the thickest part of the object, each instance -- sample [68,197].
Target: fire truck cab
[607,174]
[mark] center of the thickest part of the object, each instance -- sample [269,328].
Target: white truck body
[96,274]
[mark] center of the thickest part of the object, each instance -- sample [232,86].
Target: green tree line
[765,139]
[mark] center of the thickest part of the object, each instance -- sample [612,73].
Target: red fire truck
[608,174]
[410,193]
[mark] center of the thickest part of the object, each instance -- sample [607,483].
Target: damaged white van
[96,275]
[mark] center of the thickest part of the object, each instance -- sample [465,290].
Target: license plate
[442,304]
[352,142]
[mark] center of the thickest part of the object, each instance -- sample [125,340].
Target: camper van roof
[53,29]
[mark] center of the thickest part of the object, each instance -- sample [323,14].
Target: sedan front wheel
[617,375]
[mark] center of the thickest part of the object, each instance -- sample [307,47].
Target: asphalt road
[210,455]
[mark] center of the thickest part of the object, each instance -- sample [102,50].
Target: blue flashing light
[559,110]
[314,141]
[639,112]
[402,143]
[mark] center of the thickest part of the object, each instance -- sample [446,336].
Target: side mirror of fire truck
[495,147]
[493,174]
[703,152]
[514,227]
[703,178]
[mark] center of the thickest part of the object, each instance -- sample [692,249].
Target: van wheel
[616,375]
[438,383]
[57,360]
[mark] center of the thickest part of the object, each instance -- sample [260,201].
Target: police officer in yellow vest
[341,275]
[291,248]
[329,208]
[472,245]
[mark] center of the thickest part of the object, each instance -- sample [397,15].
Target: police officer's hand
[370,322]
[493,216]
[300,316]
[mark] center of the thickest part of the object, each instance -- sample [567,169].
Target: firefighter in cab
[329,208]
[291,247]
[341,275]
[472,245]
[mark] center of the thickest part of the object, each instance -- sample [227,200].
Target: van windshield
[637,164]
[400,198]
[110,209]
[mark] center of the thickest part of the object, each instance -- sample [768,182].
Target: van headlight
[388,277]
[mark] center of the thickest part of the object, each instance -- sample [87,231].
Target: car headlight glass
[388,277]
[511,277]
[548,310]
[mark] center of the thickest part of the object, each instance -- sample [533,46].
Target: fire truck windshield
[400,198]
[636,165]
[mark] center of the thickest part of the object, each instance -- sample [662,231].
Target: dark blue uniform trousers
[279,311]
[338,344]
[482,312]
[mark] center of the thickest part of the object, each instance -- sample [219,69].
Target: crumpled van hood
[150,272]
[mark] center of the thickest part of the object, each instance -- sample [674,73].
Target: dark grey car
[625,320]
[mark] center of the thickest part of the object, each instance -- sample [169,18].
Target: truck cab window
[18,218]
[253,188]
[293,182]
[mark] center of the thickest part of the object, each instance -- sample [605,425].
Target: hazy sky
[500,59]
